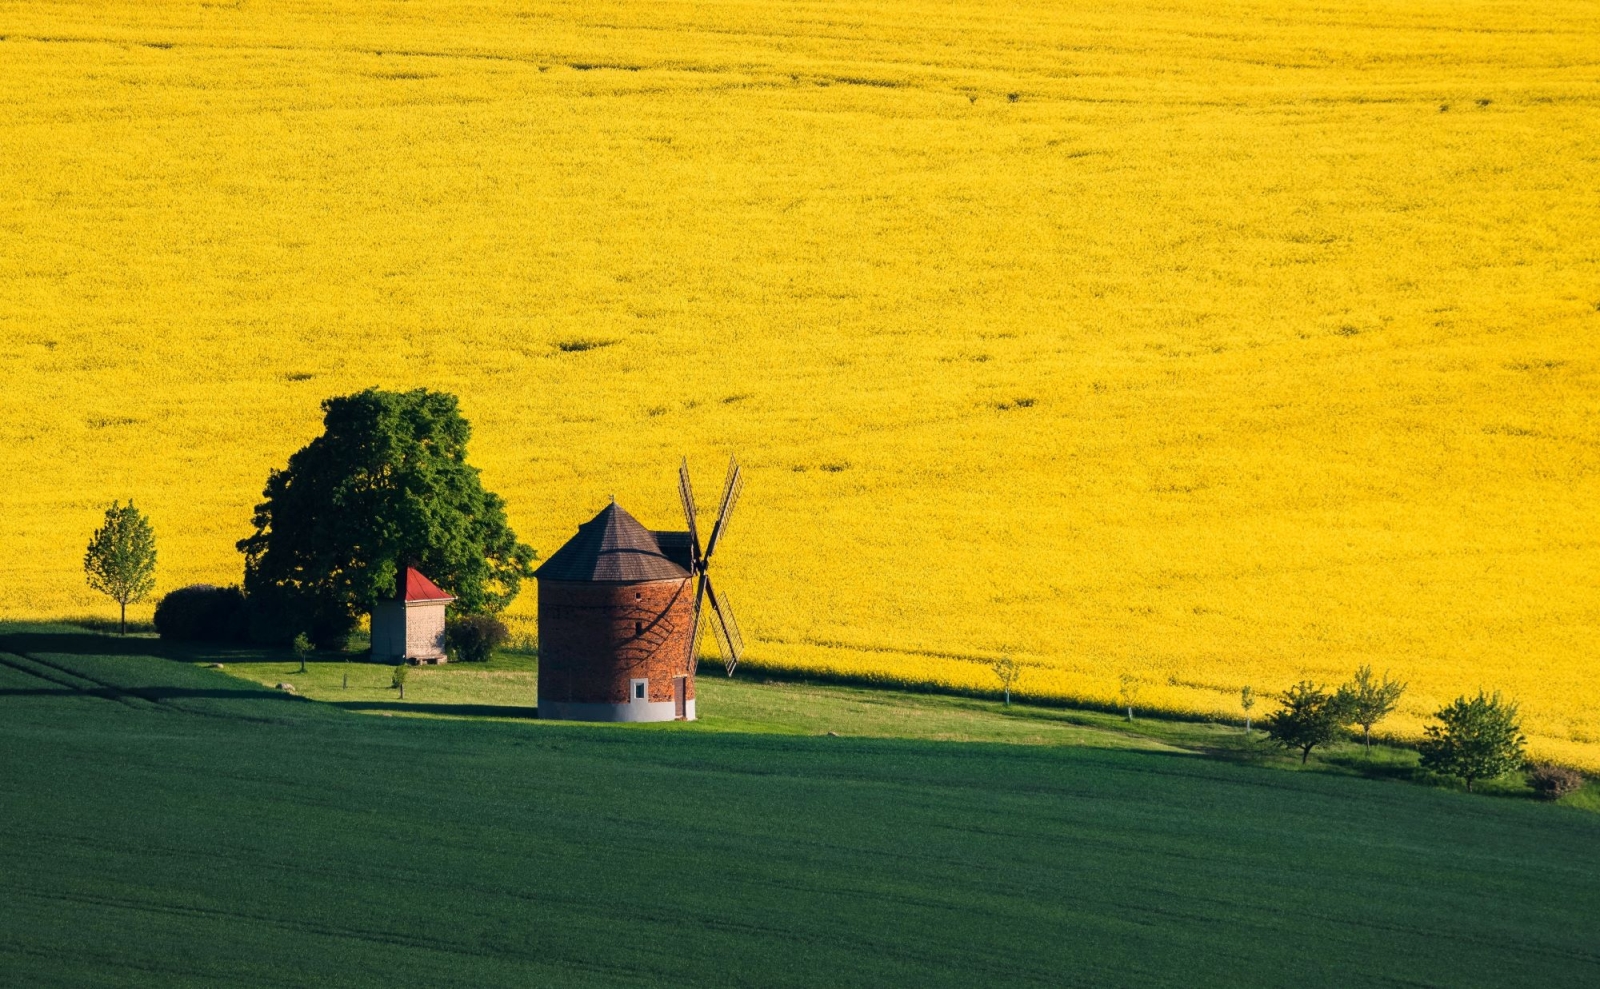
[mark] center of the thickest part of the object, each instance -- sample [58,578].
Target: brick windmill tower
[620,610]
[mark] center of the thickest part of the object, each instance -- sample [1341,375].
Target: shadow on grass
[822,678]
[78,643]
[1388,765]
[454,710]
[156,694]
[107,626]
[69,641]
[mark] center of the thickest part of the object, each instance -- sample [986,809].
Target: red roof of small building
[415,587]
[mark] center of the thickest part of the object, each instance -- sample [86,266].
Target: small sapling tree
[1309,717]
[302,649]
[1365,701]
[1476,739]
[399,681]
[1128,693]
[121,559]
[1247,700]
[1008,672]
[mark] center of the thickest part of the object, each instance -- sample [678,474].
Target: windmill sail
[694,637]
[730,496]
[730,643]
[729,640]
[686,493]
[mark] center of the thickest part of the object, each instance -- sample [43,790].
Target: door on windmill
[680,695]
[638,692]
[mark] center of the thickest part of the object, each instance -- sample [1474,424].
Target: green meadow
[168,824]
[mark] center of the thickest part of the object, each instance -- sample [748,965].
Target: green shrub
[474,638]
[201,613]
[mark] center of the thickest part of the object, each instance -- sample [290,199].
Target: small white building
[410,626]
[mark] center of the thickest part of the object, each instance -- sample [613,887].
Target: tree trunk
[124,618]
[1008,697]
[402,690]
[1247,726]
[1130,713]
[1305,754]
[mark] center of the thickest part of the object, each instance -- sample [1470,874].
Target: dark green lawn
[167,825]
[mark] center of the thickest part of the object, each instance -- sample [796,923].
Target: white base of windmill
[634,712]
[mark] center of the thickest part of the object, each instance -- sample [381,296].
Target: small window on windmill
[638,596]
[639,689]
[638,628]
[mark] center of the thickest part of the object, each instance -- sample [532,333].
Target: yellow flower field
[1219,344]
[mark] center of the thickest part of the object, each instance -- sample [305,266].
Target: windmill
[726,631]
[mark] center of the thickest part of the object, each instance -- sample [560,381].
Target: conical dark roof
[612,546]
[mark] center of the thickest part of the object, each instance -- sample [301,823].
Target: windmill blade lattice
[694,637]
[686,494]
[730,497]
[729,640]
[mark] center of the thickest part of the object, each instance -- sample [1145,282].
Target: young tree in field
[386,484]
[1477,739]
[1247,700]
[1008,672]
[121,559]
[1128,693]
[302,648]
[1365,701]
[1310,717]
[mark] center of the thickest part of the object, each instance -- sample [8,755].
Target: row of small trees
[1473,738]
[1311,716]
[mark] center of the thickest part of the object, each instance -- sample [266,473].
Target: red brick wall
[594,638]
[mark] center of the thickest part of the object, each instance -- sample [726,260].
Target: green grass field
[166,824]
[506,688]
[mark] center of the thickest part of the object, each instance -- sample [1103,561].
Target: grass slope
[507,687]
[171,825]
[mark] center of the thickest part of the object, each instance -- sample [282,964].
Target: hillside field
[170,825]
[1217,344]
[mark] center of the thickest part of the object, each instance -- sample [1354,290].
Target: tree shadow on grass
[156,694]
[72,642]
[69,641]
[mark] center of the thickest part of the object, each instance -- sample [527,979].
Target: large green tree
[121,559]
[386,484]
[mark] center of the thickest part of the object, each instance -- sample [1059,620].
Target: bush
[201,613]
[1552,782]
[475,637]
[1478,738]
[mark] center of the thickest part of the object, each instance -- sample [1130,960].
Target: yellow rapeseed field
[1215,343]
